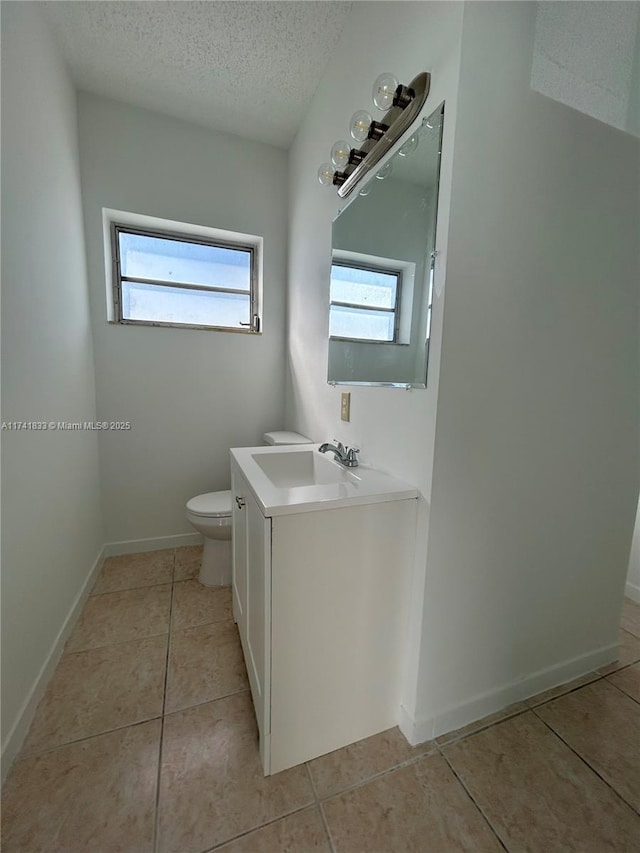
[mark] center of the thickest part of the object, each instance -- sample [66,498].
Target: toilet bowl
[210,514]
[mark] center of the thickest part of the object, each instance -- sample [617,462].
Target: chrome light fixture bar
[375,138]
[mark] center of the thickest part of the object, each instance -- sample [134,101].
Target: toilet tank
[285,437]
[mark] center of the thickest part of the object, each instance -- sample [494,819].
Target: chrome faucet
[346,456]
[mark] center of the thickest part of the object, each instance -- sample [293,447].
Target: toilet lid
[213,504]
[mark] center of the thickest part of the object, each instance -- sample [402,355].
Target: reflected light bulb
[384,90]
[325,174]
[410,146]
[359,128]
[340,154]
[385,171]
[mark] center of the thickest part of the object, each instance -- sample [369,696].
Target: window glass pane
[363,287]
[159,304]
[189,263]
[360,323]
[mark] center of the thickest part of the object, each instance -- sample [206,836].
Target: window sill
[367,341]
[183,326]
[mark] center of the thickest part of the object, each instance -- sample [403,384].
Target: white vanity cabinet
[321,600]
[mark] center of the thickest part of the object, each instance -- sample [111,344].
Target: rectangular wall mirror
[382,268]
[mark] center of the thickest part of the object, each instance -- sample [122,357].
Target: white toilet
[210,514]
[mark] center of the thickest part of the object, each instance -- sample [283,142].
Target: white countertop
[283,485]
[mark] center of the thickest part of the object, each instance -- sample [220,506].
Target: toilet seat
[211,505]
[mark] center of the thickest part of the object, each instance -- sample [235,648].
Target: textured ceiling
[248,68]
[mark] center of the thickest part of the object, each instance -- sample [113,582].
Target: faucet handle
[352,457]
[340,446]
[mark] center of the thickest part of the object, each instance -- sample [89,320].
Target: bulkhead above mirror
[381,289]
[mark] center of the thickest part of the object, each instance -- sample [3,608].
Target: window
[364,302]
[165,278]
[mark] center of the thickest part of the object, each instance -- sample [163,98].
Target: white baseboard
[415,731]
[419,730]
[632,591]
[159,543]
[13,743]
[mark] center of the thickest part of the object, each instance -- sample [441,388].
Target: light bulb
[385,171]
[325,174]
[340,154]
[359,128]
[410,146]
[384,90]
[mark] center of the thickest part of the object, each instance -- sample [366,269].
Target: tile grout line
[113,645]
[244,834]
[492,829]
[586,763]
[374,778]
[156,822]
[323,818]
[626,631]
[207,702]
[621,668]
[531,707]
[151,585]
[624,692]
[128,589]
[202,624]
[48,750]
[480,728]
[119,643]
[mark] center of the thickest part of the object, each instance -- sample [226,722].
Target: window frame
[253,327]
[370,267]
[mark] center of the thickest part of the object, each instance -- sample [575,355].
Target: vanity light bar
[375,138]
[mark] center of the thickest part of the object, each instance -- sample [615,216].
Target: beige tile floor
[145,742]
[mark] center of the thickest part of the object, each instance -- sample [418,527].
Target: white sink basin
[306,468]
[301,479]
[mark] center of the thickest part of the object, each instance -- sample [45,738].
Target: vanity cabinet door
[252,599]
[239,491]
[258,615]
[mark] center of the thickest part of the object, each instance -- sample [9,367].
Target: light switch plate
[345,406]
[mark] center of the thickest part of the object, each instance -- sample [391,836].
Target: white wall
[51,518]
[528,511]
[535,475]
[190,394]
[394,428]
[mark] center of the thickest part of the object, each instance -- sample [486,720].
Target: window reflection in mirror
[364,300]
[381,273]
